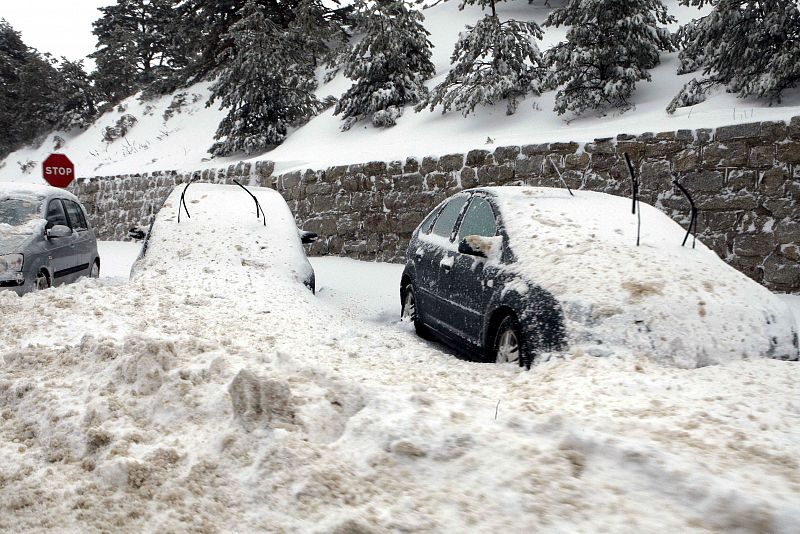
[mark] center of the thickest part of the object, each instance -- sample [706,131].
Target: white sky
[61,27]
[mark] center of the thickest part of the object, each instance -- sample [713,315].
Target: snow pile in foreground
[174,402]
[681,305]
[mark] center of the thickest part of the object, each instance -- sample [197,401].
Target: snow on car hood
[682,305]
[222,236]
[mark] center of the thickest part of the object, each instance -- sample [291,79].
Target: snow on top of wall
[181,141]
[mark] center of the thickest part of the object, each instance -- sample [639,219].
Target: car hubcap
[409,307]
[508,347]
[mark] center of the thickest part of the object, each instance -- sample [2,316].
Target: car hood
[681,305]
[14,239]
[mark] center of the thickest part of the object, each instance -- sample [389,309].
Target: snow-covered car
[508,273]
[227,230]
[45,238]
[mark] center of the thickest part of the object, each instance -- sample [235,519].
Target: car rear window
[447,218]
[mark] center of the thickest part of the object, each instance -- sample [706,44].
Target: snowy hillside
[181,141]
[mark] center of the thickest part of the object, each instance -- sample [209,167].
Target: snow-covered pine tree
[388,66]
[751,47]
[78,99]
[265,85]
[135,46]
[13,56]
[610,46]
[492,61]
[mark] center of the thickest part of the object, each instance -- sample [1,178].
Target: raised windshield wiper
[635,191]
[183,200]
[693,220]
[258,205]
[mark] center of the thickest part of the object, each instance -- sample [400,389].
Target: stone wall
[745,180]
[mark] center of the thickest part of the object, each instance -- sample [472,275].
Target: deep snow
[185,400]
[180,142]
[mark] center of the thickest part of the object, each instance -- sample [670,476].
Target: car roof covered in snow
[222,233]
[583,250]
[40,191]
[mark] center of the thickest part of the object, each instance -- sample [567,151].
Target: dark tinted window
[479,220]
[448,216]
[55,214]
[75,213]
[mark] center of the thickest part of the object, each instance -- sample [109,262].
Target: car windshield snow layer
[18,213]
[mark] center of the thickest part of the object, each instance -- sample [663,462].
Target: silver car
[45,238]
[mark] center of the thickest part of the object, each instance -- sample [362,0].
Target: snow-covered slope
[181,142]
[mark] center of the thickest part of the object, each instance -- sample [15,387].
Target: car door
[61,251]
[432,257]
[82,238]
[467,286]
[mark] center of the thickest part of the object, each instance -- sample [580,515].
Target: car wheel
[509,344]
[95,270]
[41,282]
[410,311]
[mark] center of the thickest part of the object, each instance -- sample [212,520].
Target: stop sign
[58,170]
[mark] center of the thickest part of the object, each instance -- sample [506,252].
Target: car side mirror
[59,230]
[136,233]
[308,237]
[475,245]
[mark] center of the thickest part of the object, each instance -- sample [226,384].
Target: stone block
[739,179]
[753,245]
[488,174]
[738,131]
[375,168]
[742,200]
[791,251]
[506,174]
[656,176]
[685,135]
[394,168]
[322,203]
[451,162]
[505,154]
[536,150]
[564,148]
[773,181]
[635,149]
[774,131]
[789,152]
[411,165]
[334,174]
[703,136]
[781,271]
[686,160]
[603,147]
[663,149]
[469,178]
[476,158]
[572,161]
[762,157]
[322,225]
[781,207]
[289,180]
[794,128]
[436,180]
[428,165]
[787,231]
[729,154]
[408,183]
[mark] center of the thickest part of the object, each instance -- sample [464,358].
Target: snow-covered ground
[180,142]
[181,401]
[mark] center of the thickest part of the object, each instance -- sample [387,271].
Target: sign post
[58,170]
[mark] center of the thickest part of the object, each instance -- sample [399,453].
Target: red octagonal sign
[58,170]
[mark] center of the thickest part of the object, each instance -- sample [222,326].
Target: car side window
[55,214]
[448,216]
[478,220]
[425,225]
[76,218]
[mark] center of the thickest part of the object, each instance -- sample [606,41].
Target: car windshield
[18,215]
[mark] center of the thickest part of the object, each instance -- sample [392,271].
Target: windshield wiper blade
[693,220]
[182,202]
[635,190]
[258,204]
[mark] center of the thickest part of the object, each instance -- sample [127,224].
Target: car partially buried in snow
[45,238]
[509,273]
[226,231]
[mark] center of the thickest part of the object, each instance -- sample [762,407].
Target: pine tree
[78,98]
[389,65]
[492,61]
[265,84]
[753,48]
[13,56]
[610,46]
[135,46]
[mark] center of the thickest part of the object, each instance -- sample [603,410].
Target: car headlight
[11,263]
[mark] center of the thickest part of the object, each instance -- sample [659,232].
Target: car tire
[508,343]
[410,311]
[94,272]
[42,281]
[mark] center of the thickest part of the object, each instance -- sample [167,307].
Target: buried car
[223,230]
[509,273]
[45,238]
